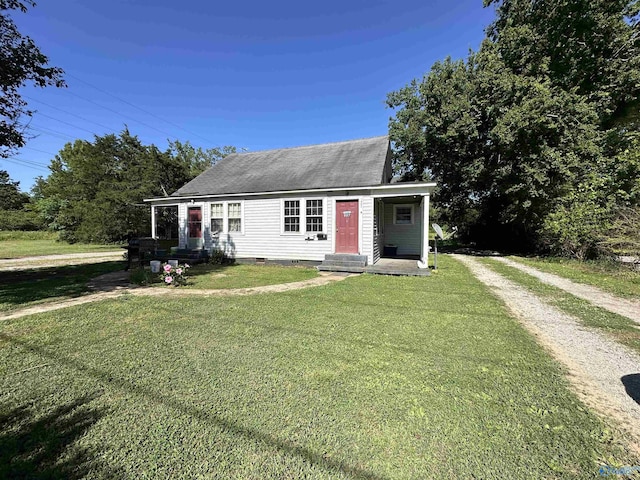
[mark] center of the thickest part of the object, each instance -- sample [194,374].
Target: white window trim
[303,216]
[225,218]
[324,216]
[211,217]
[395,212]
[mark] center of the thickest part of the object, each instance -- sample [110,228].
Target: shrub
[28,235]
[20,220]
[218,257]
[623,238]
[141,276]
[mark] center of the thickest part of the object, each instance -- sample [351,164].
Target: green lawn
[27,244]
[608,276]
[369,378]
[23,288]
[205,276]
[244,276]
[616,326]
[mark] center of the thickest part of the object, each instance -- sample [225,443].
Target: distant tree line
[95,190]
[533,139]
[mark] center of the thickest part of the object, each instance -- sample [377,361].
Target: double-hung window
[314,216]
[217,218]
[235,216]
[303,215]
[291,217]
[226,217]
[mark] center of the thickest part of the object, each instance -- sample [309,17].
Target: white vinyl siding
[366,228]
[262,235]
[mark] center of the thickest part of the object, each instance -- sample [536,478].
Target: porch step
[343,263]
[345,257]
[338,268]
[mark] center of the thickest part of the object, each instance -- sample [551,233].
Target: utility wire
[122,114]
[68,113]
[66,123]
[12,160]
[141,109]
[41,151]
[32,162]
[54,133]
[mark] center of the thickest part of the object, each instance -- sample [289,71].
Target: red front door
[346,226]
[195,222]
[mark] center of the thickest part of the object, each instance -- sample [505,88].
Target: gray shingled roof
[356,163]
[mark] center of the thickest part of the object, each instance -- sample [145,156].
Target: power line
[141,109]
[32,162]
[68,113]
[122,114]
[41,151]
[12,160]
[54,133]
[66,123]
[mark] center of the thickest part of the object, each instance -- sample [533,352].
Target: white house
[304,204]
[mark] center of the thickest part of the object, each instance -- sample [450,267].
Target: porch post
[153,221]
[424,250]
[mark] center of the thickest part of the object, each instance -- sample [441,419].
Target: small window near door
[217,218]
[235,217]
[403,214]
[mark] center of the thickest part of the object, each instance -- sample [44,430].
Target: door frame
[201,243]
[334,222]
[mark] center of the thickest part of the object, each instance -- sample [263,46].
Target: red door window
[347,226]
[195,222]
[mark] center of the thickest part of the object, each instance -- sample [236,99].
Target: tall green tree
[21,63]
[96,189]
[512,133]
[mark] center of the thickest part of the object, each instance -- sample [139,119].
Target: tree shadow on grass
[23,286]
[38,447]
[632,386]
[166,399]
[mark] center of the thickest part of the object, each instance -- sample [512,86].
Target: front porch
[384,266]
[401,230]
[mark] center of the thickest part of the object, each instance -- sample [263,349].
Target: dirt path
[597,366]
[112,290]
[621,306]
[45,261]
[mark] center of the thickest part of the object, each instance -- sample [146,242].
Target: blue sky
[257,75]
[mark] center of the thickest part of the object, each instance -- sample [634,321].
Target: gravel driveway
[621,306]
[605,374]
[46,261]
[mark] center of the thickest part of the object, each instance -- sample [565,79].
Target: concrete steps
[345,259]
[342,262]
